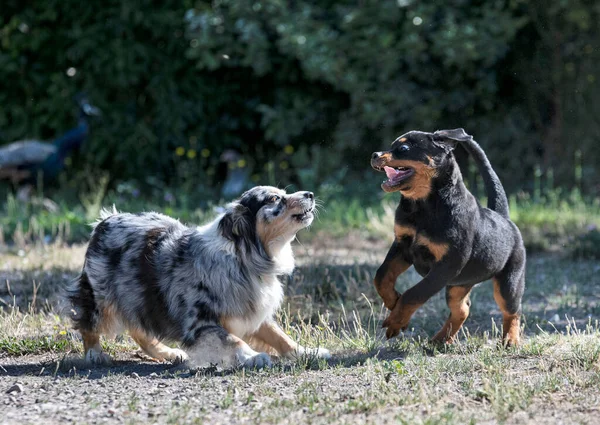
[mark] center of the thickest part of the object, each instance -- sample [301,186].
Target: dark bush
[305,90]
[588,245]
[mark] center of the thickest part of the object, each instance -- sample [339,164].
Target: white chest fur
[268,301]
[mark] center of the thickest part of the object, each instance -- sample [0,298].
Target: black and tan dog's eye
[404,148]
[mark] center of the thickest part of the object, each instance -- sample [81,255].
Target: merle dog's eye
[404,148]
[274,199]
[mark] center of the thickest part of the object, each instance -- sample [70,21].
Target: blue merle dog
[213,289]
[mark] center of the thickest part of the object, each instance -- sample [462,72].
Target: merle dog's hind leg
[509,285]
[156,349]
[93,353]
[88,319]
[459,303]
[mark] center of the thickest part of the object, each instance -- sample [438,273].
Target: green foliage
[305,90]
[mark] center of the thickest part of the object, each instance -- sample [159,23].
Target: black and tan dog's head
[269,215]
[415,159]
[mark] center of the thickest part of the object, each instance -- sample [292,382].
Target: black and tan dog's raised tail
[497,200]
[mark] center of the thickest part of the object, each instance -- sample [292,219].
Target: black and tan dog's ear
[236,225]
[458,135]
[448,139]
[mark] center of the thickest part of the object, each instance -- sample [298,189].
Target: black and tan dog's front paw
[399,318]
[393,328]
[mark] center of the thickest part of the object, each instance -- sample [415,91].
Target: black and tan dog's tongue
[394,175]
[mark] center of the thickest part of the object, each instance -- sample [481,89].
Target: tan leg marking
[271,334]
[156,349]
[511,323]
[459,304]
[90,341]
[92,351]
[386,286]
[108,320]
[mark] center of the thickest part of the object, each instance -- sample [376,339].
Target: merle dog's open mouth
[304,214]
[395,176]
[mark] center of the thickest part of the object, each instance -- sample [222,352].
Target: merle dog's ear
[448,139]
[237,224]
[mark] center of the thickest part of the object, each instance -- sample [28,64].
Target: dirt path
[553,378]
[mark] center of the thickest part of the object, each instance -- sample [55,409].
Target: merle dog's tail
[497,200]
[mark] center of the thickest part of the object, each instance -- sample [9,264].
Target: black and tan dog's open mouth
[395,176]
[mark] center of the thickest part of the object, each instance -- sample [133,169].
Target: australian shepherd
[213,289]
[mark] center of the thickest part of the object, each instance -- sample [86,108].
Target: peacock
[237,173]
[21,162]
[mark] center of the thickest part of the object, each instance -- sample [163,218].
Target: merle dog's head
[268,216]
[415,159]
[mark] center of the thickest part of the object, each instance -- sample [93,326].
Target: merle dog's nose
[309,195]
[375,155]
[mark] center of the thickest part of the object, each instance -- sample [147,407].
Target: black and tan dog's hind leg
[385,278]
[509,286]
[459,303]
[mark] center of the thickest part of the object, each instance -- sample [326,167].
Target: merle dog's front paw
[258,361]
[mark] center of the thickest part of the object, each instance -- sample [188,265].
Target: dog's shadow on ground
[72,366]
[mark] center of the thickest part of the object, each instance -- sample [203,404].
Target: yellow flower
[241,163]
[63,332]
[205,153]
[180,151]
[191,154]
[284,165]
[288,149]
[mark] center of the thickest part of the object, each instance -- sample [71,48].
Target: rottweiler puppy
[442,230]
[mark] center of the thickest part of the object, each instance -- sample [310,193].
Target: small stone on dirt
[17,388]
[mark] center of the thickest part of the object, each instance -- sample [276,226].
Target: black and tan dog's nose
[309,195]
[376,155]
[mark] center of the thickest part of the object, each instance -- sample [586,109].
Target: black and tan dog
[443,231]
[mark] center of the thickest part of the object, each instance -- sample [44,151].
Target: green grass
[555,222]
